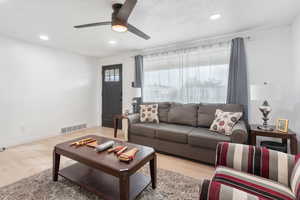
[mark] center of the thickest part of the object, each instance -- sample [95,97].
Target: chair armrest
[239,133]
[133,118]
[216,190]
[259,161]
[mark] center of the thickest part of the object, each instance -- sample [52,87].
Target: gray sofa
[184,130]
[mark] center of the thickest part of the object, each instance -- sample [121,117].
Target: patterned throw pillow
[149,113]
[224,121]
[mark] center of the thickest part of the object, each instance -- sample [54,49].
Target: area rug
[171,186]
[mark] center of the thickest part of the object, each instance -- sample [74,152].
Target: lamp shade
[137,92]
[260,92]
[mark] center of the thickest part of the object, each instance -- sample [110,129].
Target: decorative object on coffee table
[129,155]
[282,125]
[103,173]
[290,135]
[265,109]
[104,146]
[82,142]
[92,144]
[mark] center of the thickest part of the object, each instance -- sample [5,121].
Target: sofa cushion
[202,137]
[173,132]
[206,112]
[163,110]
[259,186]
[144,129]
[185,114]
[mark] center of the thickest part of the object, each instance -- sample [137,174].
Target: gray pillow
[185,114]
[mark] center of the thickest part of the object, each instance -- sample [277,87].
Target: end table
[118,118]
[290,135]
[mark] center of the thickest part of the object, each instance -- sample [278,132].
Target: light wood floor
[26,160]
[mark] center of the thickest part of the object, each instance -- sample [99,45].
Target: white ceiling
[166,21]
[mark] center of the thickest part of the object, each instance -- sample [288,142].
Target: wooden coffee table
[102,173]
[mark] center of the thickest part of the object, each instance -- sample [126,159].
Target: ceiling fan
[119,21]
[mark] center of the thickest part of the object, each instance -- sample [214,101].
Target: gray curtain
[138,78]
[237,83]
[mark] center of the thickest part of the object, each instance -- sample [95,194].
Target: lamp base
[265,128]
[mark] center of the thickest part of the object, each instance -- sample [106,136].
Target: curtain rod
[190,45]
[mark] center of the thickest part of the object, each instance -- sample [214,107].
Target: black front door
[111,93]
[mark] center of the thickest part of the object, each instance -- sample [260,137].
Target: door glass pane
[106,74]
[117,75]
[111,74]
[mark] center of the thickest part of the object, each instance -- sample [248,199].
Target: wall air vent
[71,129]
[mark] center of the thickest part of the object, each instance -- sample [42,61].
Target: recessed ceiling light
[44,37]
[215,16]
[112,42]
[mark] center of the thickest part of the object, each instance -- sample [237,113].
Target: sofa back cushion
[206,112]
[163,110]
[185,114]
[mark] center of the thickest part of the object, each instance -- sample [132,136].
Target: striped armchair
[254,173]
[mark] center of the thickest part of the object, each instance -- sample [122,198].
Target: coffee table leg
[56,161]
[153,171]
[124,186]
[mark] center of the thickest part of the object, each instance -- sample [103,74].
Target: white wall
[269,57]
[43,90]
[270,60]
[296,65]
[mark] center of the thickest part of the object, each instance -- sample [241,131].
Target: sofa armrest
[259,161]
[133,118]
[239,133]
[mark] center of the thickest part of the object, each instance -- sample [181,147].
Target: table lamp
[261,93]
[137,99]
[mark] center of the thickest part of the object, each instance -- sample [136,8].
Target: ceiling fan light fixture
[119,28]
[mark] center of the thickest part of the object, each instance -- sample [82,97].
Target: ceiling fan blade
[126,10]
[93,24]
[137,32]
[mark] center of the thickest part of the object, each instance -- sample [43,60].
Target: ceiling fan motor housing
[115,20]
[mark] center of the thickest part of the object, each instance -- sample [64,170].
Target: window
[187,77]
[112,75]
